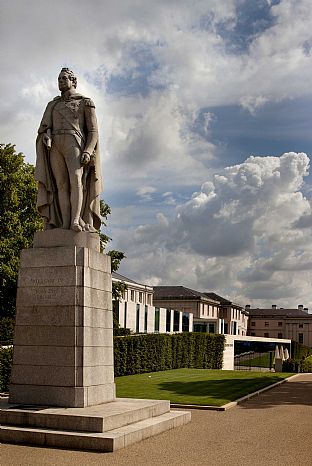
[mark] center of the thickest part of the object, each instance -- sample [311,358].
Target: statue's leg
[75,171]
[60,174]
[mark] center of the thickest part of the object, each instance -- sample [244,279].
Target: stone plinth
[63,343]
[106,427]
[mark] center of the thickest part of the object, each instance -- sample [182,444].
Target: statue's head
[67,79]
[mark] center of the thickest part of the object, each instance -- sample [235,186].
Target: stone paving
[274,428]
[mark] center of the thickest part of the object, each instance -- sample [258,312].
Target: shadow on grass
[225,389]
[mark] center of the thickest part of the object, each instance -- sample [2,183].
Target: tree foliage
[116,256]
[18,220]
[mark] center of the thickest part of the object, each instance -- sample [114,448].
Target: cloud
[161,74]
[145,192]
[237,235]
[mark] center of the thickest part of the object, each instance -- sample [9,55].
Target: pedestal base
[63,342]
[106,427]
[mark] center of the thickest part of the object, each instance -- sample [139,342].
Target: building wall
[134,318]
[297,329]
[181,305]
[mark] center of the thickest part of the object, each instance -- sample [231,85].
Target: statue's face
[64,82]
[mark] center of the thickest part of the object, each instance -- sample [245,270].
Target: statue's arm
[92,128]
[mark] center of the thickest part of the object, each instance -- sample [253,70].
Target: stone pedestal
[63,343]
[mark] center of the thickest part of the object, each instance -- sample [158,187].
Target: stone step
[105,441]
[100,418]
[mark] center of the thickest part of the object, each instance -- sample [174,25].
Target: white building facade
[135,310]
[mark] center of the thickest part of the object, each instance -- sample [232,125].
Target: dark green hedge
[299,351]
[150,353]
[6,359]
[159,352]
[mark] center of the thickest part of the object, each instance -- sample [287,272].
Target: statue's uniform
[69,124]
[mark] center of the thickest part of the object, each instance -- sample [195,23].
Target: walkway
[273,429]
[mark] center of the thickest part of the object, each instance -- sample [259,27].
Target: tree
[118,288]
[18,220]
[116,256]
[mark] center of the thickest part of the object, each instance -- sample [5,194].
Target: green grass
[195,386]
[259,361]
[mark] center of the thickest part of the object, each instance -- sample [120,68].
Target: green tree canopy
[18,220]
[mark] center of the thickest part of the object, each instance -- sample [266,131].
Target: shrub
[291,365]
[299,351]
[306,365]
[159,352]
[6,360]
[136,354]
[6,330]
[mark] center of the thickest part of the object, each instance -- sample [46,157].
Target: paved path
[274,428]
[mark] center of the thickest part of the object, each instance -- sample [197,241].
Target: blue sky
[204,111]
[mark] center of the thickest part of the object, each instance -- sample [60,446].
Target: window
[266,324]
[140,297]
[300,325]
[253,324]
[280,324]
[145,319]
[176,321]
[157,318]
[234,328]
[137,323]
[149,299]
[266,335]
[132,295]
[116,310]
[226,328]
[185,322]
[211,328]
[300,337]
[125,317]
[253,334]
[168,320]
[279,335]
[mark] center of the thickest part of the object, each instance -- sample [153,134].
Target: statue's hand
[85,158]
[46,140]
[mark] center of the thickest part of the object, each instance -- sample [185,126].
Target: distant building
[294,324]
[211,312]
[235,317]
[137,311]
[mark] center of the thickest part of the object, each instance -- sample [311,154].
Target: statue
[68,167]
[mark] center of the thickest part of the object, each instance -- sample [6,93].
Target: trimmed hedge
[159,352]
[136,354]
[6,360]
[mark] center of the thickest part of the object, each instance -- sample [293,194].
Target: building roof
[122,278]
[179,292]
[271,312]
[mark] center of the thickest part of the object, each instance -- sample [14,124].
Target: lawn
[195,386]
[259,361]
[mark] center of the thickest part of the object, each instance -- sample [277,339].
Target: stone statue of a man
[68,160]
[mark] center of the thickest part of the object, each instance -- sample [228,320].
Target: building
[294,324]
[235,317]
[137,311]
[211,312]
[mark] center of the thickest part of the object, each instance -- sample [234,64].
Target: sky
[204,110]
